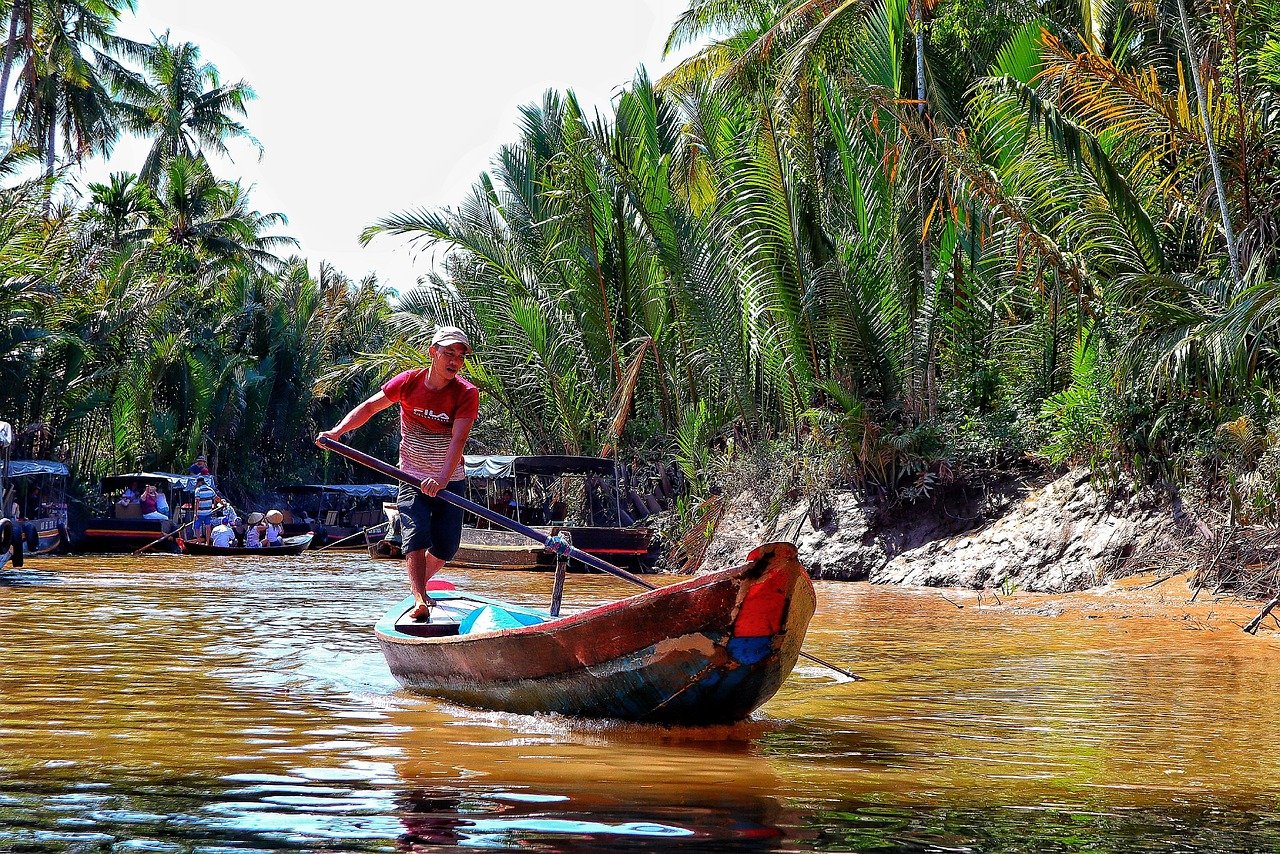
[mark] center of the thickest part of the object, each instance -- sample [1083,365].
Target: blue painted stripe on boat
[750,650]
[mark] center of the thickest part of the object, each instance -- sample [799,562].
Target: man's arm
[357,417]
[457,443]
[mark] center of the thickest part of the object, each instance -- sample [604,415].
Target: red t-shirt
[427,418]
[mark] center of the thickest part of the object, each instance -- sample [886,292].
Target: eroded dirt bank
[1035,533]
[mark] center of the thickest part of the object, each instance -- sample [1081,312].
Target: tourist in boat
[162,504]
[437,409]
[507,505]
[255,527]
[150,501]
[200,467]
[275,528]
[223,535]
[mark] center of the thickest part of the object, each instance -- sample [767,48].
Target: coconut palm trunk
[10,50]
[920,92]
[1233,252]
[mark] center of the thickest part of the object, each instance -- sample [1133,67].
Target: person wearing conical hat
[252,535]
[275,528]
[437,408]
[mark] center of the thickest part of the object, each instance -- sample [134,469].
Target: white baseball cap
[446,335]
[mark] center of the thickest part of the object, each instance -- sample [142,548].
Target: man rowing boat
[437,409]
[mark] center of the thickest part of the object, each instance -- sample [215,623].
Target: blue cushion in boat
[493,618]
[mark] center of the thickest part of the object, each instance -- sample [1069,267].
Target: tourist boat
[292,546]
[707,650]
[357,510]
[122,528]
[481,548]
[39,488]
[590,512]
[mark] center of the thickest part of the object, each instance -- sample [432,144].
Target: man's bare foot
[421,611]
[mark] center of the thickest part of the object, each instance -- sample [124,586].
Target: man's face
[450,358]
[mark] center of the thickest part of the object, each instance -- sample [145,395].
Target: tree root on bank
[1252,628]
[1239,560]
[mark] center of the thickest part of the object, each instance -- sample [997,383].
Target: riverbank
[1036,532]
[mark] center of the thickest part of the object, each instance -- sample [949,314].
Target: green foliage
[1081,419]
[880,243]
[159,319]
[920,239]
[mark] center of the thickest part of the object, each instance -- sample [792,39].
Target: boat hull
[705,651]
[115,536]
[483,548]
[51,541]
[293,546]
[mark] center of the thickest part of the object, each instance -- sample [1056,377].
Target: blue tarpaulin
[185,482]
[358,490]
[31,468]
[495,466]
[495,618]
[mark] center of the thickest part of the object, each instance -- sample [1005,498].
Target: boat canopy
[185,482]
[357,490]
[499,466]
[31,468]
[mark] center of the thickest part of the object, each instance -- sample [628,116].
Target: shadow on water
[1040,828]
[28,576]
[258,813]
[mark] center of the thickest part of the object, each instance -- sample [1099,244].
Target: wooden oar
[351,536]
[167,536]
[547,541]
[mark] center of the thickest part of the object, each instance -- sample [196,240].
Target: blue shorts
[203,522]
[430,523]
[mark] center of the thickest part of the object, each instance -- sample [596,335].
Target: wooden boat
[39,488]
[481,548]
[709,650]
[602,527]
[342,510]
[493,549]
[292,546]
[123,529]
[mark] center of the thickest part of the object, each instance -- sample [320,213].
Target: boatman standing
[437,409]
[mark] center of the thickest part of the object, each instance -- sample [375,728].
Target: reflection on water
[170,704]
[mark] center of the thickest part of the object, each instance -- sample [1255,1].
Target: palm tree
[1193,60]
[181,102]
[64,84]
[205,226]
[121,206]
[20,27]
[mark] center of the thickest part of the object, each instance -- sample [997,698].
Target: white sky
[383,105]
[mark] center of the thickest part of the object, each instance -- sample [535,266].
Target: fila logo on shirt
[431,414]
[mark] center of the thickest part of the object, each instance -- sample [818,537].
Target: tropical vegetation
[892,243]
[159,315]
[901,241]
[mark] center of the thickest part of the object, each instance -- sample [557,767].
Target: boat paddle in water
[707,650]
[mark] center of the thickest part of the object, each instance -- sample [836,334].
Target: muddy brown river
[174,704]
